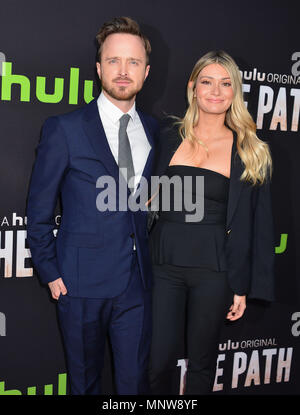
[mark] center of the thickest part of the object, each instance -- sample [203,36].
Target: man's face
[123,67]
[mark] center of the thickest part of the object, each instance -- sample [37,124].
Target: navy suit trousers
[85,323]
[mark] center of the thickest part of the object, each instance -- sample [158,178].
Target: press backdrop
[48,51]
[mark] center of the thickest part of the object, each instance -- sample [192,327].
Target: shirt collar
[112,111]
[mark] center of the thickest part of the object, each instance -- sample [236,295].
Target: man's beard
[120,93]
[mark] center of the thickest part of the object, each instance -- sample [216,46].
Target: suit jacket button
[228,232]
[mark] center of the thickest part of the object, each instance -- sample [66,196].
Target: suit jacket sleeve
[165,134]
[49,169]
[263,249]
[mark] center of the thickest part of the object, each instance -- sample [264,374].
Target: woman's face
[213,90]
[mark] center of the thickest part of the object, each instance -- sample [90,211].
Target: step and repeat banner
[47,67]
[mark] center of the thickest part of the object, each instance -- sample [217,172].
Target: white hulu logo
[2,324]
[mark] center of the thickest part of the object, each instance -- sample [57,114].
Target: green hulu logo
[282,244]
[48,389]
[9,79]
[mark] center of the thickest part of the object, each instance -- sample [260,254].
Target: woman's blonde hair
[254,153]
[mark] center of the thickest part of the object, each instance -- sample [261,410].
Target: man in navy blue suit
[98,266]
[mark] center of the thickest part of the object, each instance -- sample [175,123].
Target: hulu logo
[282,244]
[9,79]
[48,389]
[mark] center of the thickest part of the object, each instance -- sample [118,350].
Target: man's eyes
[132,62]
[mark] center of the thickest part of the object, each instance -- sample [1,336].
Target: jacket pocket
[87,240]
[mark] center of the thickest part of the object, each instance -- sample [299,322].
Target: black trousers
[189,308]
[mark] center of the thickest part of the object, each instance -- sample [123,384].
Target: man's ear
[98,67]
[147,71]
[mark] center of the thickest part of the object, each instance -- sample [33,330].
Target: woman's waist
[207,211]
[190,218]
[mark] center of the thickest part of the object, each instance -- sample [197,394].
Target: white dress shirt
[140,146]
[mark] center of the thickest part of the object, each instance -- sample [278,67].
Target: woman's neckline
[201,168]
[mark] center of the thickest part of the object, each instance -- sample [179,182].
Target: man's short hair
[122,25]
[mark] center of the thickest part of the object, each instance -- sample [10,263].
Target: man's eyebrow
[211,77]
[118,57]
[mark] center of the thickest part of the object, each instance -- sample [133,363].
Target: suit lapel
[96,135]
[149,162]
[235,185]
[174,142]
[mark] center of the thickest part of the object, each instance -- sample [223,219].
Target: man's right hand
[57,287]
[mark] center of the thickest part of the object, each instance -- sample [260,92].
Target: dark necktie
[125,156]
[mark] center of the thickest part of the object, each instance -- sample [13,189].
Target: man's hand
[57,287]
[238,307]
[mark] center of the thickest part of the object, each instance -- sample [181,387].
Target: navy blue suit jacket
[92,251]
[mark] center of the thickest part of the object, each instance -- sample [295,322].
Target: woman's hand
[238,307]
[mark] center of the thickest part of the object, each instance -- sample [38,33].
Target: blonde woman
[204,271]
